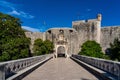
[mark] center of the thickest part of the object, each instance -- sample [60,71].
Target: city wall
[80,32]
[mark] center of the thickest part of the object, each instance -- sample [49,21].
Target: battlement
[78,22]
[98,19]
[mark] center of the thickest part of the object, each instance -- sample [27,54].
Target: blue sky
[40,15]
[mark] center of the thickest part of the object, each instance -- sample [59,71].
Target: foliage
[38,43]
[115,50]
[42,47]
[49,46]
[13,42]
[91,48]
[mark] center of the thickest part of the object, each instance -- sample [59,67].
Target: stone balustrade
[10,68]
[109,66]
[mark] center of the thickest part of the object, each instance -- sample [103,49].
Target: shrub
[91,48]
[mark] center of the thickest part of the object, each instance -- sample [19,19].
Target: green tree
[42,47]
[115,50]
[38,47]
[91,48]
[13,42]
[49,46]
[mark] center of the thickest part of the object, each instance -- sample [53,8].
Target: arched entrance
[61,51]
[61,45]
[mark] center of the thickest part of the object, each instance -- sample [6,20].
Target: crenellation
[78,22]
[91,20]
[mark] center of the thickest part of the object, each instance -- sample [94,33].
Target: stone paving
[60,69]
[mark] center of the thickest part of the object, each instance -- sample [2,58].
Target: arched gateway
[61,50]
[61,45]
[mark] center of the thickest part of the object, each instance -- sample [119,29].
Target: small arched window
[49,31]
[61,31]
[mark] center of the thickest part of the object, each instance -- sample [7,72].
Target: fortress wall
[81,28]
[89,30]
[108,34]
[33,36]
[72,38]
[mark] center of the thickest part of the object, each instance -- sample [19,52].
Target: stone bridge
[46,67]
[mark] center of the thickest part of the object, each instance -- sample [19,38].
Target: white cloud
[10,8]
[14,12]
[26,15]
[21,13]
[31,29]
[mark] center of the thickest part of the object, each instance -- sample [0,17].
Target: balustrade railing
[10,68]
[109,66]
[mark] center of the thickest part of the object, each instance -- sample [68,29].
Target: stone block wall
[108,34]
[33,36]
[80,32]
[71,37]
[52,35]
[87,30]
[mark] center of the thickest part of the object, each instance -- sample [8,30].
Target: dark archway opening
[61,52]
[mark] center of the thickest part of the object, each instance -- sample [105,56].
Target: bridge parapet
[10,68]
[109,66]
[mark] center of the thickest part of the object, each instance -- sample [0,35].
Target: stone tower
[99,17]
[88,29]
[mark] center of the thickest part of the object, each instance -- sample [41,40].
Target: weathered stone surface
[33,36]
[70,35]
[108,34]
[87,30]
[9,68]
[111,68]
[80,32]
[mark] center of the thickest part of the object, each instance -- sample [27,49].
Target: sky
[40,15]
